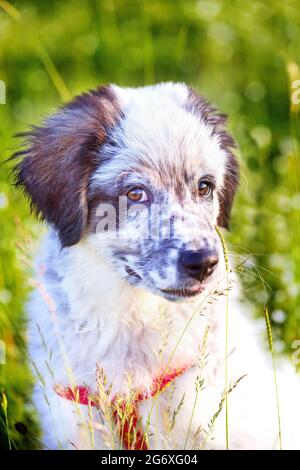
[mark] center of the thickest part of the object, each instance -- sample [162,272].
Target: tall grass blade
[226,260]
[270,341]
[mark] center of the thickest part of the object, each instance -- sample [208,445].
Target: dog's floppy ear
[230,184]
[60,158]
[208,114]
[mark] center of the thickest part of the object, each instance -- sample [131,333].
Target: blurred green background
[243,55]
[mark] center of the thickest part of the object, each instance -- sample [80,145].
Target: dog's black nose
[199,264]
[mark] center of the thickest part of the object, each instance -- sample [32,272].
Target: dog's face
[146,174]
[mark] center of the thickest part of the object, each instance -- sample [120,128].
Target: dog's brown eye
[204,188]
[137,195]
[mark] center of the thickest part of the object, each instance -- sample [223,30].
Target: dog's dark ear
[226,196]
[60,157]
[209,114]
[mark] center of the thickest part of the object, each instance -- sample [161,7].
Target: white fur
[83,313]
[119,326]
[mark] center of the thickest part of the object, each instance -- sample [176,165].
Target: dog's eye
[137,195]
[204,188]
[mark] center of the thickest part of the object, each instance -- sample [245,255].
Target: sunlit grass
[199,385]
[270,342]
[226,261]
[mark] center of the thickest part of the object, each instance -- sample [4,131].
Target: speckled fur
[87,309]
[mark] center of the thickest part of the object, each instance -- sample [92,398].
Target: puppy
[134,295]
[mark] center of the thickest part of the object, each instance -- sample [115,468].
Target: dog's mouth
[184,292]
[176,293]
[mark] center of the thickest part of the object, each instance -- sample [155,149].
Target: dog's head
[145,174]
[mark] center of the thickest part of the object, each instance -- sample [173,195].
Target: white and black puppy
[133,183]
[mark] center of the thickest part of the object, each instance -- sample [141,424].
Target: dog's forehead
[159,130]
[161,137]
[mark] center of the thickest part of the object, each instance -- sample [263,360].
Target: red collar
[126,415]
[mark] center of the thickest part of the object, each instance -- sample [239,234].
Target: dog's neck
[126,327]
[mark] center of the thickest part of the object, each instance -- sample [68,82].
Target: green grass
[270,341]
[243,56]
[226,261]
